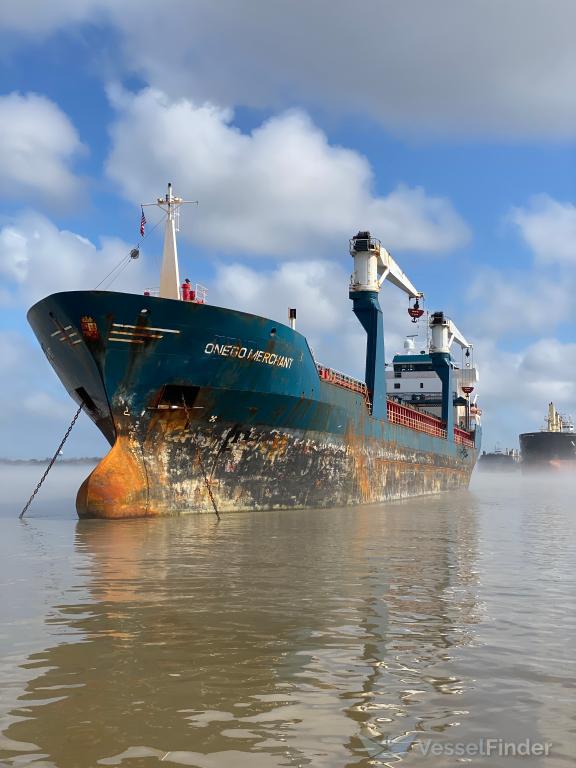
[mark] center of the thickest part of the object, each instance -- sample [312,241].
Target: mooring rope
[200,462]
[49,467]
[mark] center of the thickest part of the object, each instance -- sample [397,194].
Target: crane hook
[415,312]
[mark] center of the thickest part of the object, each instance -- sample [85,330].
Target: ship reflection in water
[291,638]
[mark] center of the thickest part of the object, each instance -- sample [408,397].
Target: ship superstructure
[212,409]
[412,379]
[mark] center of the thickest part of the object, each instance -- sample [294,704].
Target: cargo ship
[551,448]
[209,409]
[499,461]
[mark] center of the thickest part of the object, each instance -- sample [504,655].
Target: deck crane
[444,333]
[372,265]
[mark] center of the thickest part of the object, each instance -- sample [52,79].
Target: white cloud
[539,297]
[39,18]
[511,303]
[516,387]
[280,190]
[37,258]
[449,67]
[549,359]
[37,144]
[318,287]
[548,227]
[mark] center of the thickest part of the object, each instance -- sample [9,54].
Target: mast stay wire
[125,260]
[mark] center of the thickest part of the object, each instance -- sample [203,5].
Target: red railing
[413,419]
[463,437]
[403,415]
[341,380]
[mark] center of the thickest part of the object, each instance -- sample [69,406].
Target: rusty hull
[198,400]
[169,470]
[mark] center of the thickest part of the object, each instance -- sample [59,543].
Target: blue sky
[447,128]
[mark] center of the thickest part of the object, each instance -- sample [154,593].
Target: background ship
[499,461]
[207,408]
[552,448]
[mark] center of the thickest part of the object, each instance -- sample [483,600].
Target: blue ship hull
[208,407]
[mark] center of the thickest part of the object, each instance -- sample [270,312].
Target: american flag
[142,223]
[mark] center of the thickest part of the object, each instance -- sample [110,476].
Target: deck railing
[404,415]
[197,295]
[401,414]
[463,437]
[341,380]
[414,419]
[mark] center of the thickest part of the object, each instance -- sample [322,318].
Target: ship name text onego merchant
[245,353]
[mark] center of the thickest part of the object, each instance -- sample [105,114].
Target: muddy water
[350,637]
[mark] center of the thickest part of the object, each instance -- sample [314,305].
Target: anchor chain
[49,467]
[200,462]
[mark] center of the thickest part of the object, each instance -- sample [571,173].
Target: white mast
[169,274]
